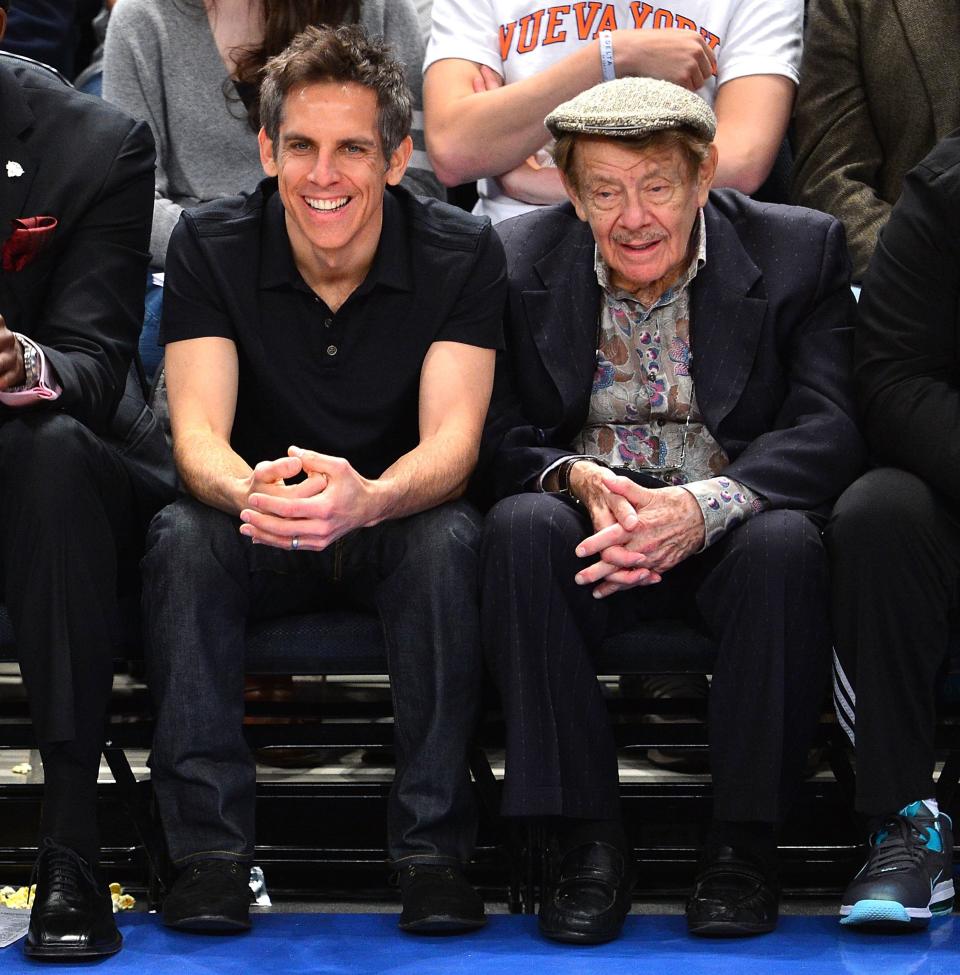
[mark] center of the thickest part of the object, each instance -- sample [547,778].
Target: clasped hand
[640,533]
[332,500]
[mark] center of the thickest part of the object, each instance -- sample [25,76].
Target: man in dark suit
[79,478]
[671,422]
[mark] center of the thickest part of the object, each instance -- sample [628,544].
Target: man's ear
[708,170]
[398,161]
[267,159]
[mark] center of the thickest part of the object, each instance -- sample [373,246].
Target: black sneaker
[438,900]
[72,914]
[211,896]
[908,876]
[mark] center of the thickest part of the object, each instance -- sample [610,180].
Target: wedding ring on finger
[295,543]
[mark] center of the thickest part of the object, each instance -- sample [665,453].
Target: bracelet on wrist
[608,68]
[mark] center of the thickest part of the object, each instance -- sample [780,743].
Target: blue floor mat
[356,944]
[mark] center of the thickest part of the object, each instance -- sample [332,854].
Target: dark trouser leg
[196,598]
[895,550]
[540,630]
[425,590]
[68,513]
[765,598]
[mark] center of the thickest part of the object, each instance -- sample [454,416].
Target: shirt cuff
[46,387]
[724,503]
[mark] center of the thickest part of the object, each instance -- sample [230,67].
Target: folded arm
[472,134]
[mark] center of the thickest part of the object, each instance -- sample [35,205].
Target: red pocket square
[30,235]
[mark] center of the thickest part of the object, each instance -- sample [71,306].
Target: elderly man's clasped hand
[640,532]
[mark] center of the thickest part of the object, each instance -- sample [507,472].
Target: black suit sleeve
[906,355]
[813,448]
[90,319]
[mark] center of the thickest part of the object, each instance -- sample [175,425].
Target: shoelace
[64,868]
[901,848]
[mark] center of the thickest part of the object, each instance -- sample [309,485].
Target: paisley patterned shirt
[643,407]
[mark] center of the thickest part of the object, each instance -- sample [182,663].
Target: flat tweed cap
[632,107]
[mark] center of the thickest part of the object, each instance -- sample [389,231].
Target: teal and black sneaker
[908,876]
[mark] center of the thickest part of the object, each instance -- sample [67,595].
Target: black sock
[576,832]
[756,840]
[69,813]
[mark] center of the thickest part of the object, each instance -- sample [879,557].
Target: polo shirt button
[327,322]
[331,350]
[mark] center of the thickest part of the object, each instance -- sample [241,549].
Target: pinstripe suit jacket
[771,337]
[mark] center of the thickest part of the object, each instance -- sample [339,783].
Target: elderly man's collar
[698,245]
[391,262]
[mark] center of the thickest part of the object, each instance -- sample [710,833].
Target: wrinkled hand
[670,54]
[12,372]
[332,501]
[668,529]
[609,498]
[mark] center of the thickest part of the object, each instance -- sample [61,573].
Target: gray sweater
[162,65]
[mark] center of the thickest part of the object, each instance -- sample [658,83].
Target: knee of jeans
[448,533]
[184,534]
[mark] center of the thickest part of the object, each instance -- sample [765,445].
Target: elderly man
[671,422]
[84,462]
[334,310]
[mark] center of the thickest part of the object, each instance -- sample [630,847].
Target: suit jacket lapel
[725,323]
[15,121]
[931,37]
[563,317]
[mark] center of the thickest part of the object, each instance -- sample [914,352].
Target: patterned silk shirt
[643,407]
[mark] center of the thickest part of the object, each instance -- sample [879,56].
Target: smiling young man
[332,311]
[670,423]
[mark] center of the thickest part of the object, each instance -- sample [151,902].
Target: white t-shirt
[519,38]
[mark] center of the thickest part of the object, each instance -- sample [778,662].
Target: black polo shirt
[348,383]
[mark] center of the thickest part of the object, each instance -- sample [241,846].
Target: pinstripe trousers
[762,592]
[894,545]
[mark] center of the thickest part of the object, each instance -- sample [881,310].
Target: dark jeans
[203,581]
[895,547]
[762,591]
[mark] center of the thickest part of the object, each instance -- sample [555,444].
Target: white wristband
[607,67]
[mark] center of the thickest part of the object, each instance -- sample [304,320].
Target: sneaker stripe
[942,896]
[844,700]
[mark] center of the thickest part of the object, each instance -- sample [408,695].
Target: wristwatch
[31,364]
[563,478]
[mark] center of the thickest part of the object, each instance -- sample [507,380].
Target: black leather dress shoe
[588,897]
[210,896]
[72,915]
[438,899]
[733,896]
